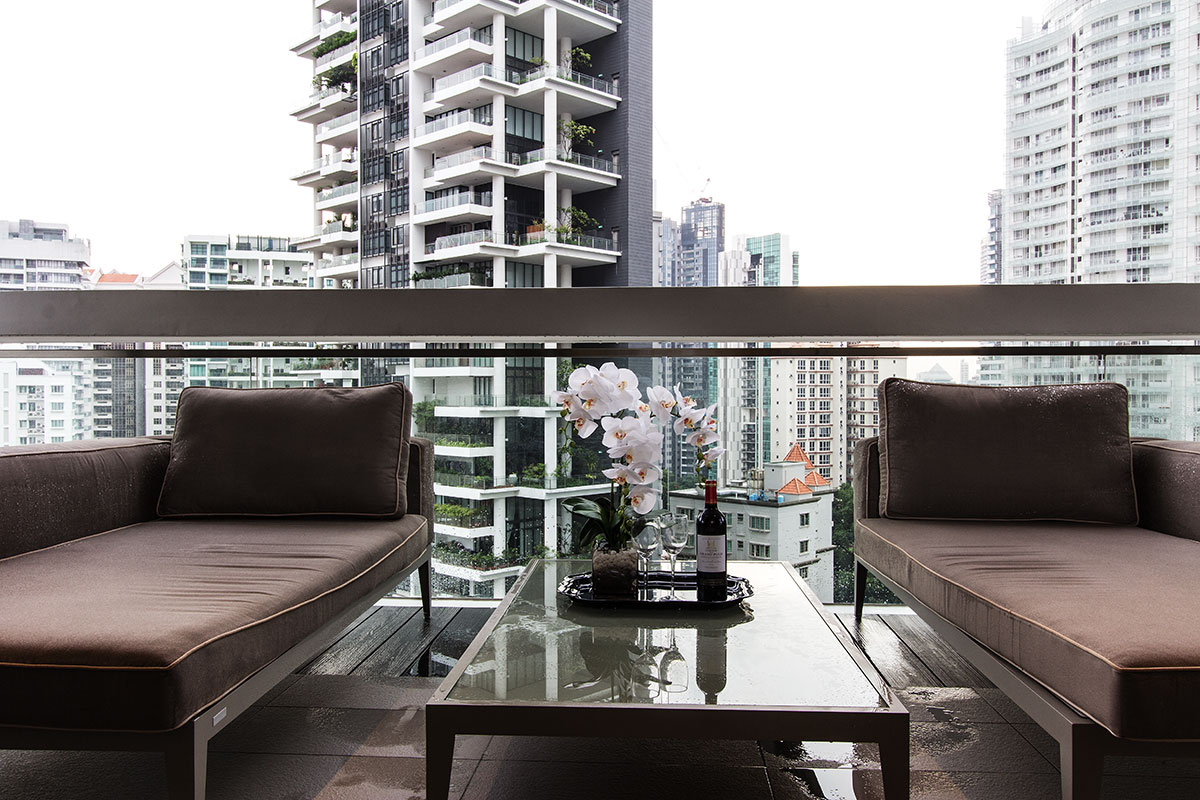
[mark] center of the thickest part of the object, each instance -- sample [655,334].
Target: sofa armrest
[865,478]
[420,479]
[1166,475]
[59,492]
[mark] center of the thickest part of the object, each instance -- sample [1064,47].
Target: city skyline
[202,178]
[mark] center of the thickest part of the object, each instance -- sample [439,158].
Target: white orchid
[639,473]
[643,499]
[692,417]
[608,397]
[661,401]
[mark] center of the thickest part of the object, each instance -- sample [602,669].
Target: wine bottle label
[710,553]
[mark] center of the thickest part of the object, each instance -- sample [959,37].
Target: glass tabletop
[776,649]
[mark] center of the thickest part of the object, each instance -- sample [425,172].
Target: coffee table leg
[439,756]
[893,761]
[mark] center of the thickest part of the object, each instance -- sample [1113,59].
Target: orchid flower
[643,499]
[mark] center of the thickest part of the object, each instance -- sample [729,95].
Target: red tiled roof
[814,479]
[794,486]
[797,455]
[117,277]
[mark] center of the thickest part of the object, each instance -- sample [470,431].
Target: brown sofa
[151,590]
[1055,553]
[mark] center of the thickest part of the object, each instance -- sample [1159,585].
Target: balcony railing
[466,34]
[334,55]
[471,73]
[337,191]
[464,481]
[553,154]
[454,281]
[574,239]
[481,115]
[455,200]
[458,159]
[599,84]
[338,122]
[599,5]
[459,240]
[338,261]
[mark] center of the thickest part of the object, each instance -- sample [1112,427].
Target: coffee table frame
[446,718]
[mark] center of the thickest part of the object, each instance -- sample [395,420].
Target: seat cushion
[289,452]
[1101,615]
[139,628]
[1006,453]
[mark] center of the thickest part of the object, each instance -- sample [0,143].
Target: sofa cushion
[1099,614]
[289,452]
[1167,474]
[140,628]
[1006,453]
[57,492]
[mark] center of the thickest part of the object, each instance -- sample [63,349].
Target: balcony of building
[469,167]
[339,132]
[455,52]
[452,15]
[575,249]
[469,88]
[326,104]
[463,207]
[337,22]
[576,171]
[454,276]
[461,130]
[579,94]
[338,235]
[466,246]
[580,20]
[338,199]
[340,267]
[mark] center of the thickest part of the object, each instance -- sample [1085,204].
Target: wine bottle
[711,662]
[710,548]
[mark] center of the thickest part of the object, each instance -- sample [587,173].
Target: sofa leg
[187,764]
[860,588]
[1082,763]
[425,575]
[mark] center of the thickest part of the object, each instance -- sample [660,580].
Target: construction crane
[700,194]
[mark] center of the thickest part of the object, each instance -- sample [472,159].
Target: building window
[760,524]
[804,572]
[760,550]
[804,545]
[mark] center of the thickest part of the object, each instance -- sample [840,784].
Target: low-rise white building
[786,514]
[45,402]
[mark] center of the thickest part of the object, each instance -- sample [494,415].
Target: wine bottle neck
[710,493]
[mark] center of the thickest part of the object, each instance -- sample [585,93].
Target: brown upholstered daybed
[151,590]
[1056,554]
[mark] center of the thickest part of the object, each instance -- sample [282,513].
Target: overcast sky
[870,133]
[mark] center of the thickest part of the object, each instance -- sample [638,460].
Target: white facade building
[1102,185]
[45,402]
[473,145]
[785,514]
[41,256]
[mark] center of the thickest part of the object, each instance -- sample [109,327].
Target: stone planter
[614,572]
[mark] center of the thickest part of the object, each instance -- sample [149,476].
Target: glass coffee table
[774,668]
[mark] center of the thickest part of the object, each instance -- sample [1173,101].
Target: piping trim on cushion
[225,634]
[1022,617]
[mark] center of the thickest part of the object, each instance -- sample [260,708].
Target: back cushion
[289,452]
[1006,453]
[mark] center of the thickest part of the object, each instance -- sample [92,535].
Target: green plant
[339,39]
[576,57]
[423,415]
[574,220]
[607,519]
[572,133]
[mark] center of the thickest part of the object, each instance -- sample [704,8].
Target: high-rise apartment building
[991,249]
[51,400]
[482,143]
[1102,183]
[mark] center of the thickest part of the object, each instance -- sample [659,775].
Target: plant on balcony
[608,398]
[343,75]
[575,58]
[339,39]
[572,133]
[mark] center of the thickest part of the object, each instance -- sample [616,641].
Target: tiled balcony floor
[351,727]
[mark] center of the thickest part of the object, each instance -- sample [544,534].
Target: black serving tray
[655,593]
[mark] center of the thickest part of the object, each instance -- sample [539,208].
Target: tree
[572,133]
[843,554]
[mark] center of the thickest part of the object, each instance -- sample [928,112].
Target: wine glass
[646,542]
[673,533]
[673,668]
